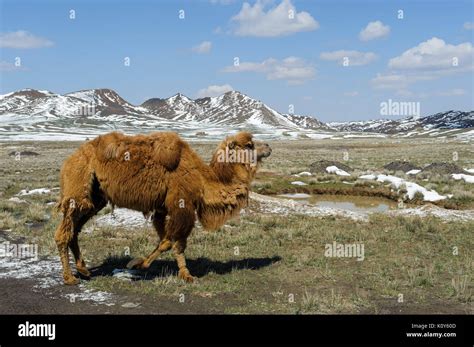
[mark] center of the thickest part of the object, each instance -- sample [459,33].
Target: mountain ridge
[103,108]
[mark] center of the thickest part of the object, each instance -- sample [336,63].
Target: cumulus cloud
[281,20]
[374,30]
[354,58]
[435,54]
[214,90]
[430,60]
[23,40]
[292,69]
[202,48]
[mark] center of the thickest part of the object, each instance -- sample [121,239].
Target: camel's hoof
[186,276]
[84,272]
[71,280]
[135,263]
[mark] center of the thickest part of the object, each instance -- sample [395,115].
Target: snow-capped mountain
[231,108]
[31,113]
[100,110]
[30,102]
[307,122]
[105,102]
[105,106]
[442,120]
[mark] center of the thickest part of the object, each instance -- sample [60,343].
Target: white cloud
[397,80]
[435,55]
[214,90]
[354,58]
[430,60]
[202,48]
[374,30]
[292,69]
[468,26]
[281,20]
[23,40]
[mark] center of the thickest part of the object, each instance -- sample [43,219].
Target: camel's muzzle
[263,150]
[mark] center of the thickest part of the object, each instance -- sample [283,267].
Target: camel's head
[240,154]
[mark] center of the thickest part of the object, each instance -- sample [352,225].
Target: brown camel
[156,174]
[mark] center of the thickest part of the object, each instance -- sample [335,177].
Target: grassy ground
[264,263]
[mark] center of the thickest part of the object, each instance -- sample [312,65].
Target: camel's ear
[231,145]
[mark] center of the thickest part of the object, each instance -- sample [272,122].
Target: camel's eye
[249,145]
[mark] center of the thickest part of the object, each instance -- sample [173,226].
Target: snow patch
[126,274]
[120,217]
[412,188]
[296,196]
[17,200]
[466,178]
[334,169]
[299,183]
[38,191]
[47,273]
[303,173]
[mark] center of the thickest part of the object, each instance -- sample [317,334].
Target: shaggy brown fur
[157,173]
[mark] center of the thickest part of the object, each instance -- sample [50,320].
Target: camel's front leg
[178,252]
[144,263]
[63,237]
[177,229]
[80,263]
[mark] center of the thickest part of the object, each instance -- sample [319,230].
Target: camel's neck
[225,193]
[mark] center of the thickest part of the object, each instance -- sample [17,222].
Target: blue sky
[289,52]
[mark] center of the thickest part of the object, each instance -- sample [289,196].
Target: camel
[160,175]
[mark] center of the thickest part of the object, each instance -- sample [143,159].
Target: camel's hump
[164,147]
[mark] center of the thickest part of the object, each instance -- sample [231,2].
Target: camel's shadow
[198,267]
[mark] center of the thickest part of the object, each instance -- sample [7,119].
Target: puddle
[346,202]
